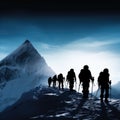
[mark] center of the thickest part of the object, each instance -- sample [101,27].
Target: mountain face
[26,59]
[22,70]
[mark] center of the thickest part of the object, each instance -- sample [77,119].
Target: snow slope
[21,71]
[54,104]
[115,90]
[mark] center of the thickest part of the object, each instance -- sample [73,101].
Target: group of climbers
[56,79]
[85,77]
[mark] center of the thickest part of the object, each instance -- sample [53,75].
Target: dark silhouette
[54,80]
[104,84]
[85,77]
[71,78]
[60,80]
[49,81]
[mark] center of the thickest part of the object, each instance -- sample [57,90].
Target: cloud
[2,55]
[80,52]
[90,43]
[48,46]
[3,48]
[101,43]
[45,48]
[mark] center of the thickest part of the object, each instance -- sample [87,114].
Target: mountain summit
[21,55]
[22,70]
[25,58]
[27,41]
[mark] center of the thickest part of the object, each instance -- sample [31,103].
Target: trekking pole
[66,83]
[110,90]
[75,85]
[92,89]
[79,87]
[110,93]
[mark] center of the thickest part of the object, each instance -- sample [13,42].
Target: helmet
[72,69]
[85,67]
[106,70]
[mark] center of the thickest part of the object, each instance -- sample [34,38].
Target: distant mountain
[115,90]
[22,70]
[117,86]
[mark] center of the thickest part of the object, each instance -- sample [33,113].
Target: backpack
[103,79]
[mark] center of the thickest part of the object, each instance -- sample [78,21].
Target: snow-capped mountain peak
[26,42]
[21,54]
[21,71]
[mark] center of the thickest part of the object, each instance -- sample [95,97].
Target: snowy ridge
[54,104]
[21,71]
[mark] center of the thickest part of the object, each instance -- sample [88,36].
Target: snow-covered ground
[15,88]
[54,104]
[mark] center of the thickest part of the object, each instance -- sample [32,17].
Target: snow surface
[114,91]
[15,88]
[55,104]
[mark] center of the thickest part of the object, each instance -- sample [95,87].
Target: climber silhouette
[104,84]
[85,77]
[49,81]
[60,80]
[71,78]
[54,80]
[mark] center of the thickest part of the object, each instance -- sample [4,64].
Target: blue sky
[67,41]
